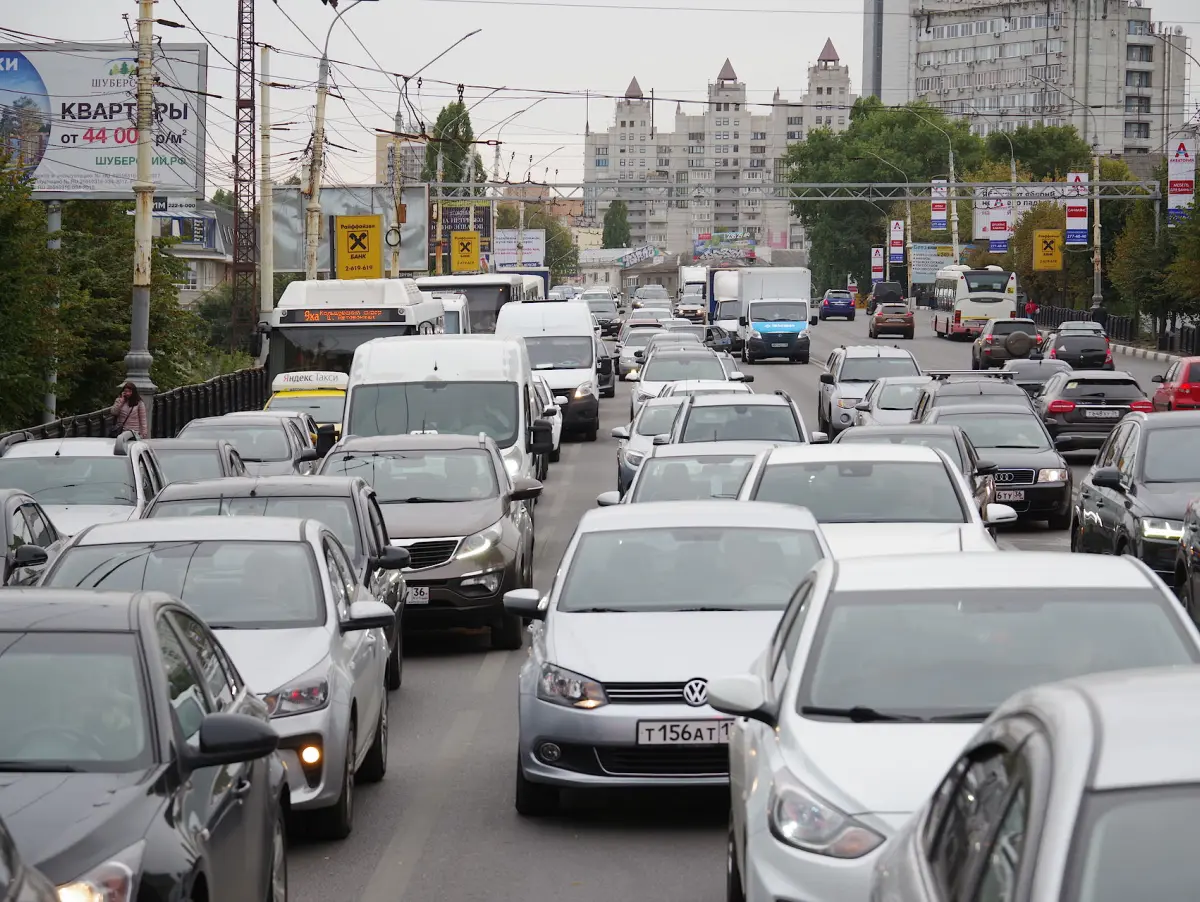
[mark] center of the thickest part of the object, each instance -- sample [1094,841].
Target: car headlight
[113,881]
[1054,474]
[803,820]
[754,333]
[1156,528]
[307,693]
[849,403]
[480,543]
[587,390]
[634,458]
[512,466]
[560,686]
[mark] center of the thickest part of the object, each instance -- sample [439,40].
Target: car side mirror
[309,454]
[1108,478]
[1064,443]
[524,603]
[549,410]
[827,379]
[393,557]
[368,615]
[608,499]
[639,354]
[818,438]
[326,439]
[525,489]
[864,406]
[997,514]
[746,379]
[737,377]
[560,400]
[28,556]
[661,440]
[541,437]
[1157,379]
[620,432]
[741,320]
[985,468]
[742,695]
[230,739]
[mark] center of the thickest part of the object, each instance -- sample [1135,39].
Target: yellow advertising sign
[1047,250]
[464,252]
[358,249]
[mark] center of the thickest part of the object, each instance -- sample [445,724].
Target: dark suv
[953,391]
[1002,340]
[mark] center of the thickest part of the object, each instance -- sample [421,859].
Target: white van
[561,344]
[453,384]
[457,318]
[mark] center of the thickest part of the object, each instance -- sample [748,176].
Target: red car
[1179,389]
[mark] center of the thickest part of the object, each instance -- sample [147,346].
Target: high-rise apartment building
[1102,66]
[710,171]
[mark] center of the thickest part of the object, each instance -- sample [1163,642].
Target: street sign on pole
[464,252]
[359,246]
[1077,208]
[1047,250]
[876,265]
[938,191]
[1181,179]
[896,242]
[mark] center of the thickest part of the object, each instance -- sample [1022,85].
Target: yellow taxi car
[319,394]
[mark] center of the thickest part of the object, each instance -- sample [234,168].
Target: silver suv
[849,372]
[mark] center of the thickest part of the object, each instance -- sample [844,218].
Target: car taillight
[1061,406]
[988,339]
[1107,351]
[1186,388]
[1142,406]
[1052,355]
[1013,315]
[908,314]
[957,316]
[826,304]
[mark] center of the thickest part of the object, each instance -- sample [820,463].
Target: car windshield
[729,309]
[778,312]
[1171,455]
[838,295]
[656,420]
[335,511]
[419,476]
[1001,429]
[942,442]
[868,369]
[1135,843]
[322,408]
[73,702]
[229,584]
[559,352]
[1080,326]
[651,291]
[691,479]
[639,338]
[671,569]
[944,652]
[189,466]
[1084,389]
[253,443]
[898,396]
[602,306]
[865,491]
[676,369]
[681,340]
[742,423]
[71,480]
[596,296]
[449,408]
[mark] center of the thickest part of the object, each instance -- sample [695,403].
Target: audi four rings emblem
[695,692]
[1006,477]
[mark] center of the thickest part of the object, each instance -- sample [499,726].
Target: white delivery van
[724,306]
[453,384]
[561,342]
[457,317]
[758,282]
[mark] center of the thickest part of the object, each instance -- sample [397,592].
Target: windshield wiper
[962,717]
[604,611]
[685,610]
[38,767]
[417,499]
[252,460]
[860,714]
[1020,447]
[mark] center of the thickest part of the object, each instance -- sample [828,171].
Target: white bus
[965,299]
[319,324]
[487,293]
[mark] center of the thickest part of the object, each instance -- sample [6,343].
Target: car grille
[433,553]
[779,336]
[683,761]
[643,693]
[1018,477]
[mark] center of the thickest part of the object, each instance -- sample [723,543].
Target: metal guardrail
[1185,342]
[246,389]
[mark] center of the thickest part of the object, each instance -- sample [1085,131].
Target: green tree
[616,226]
[1139,267]
[562,256]
[222,198]
[1183,271]
[1047,152]
[453,139]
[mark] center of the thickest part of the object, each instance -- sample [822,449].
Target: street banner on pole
[937,204]
[999,222]
[464,252]
[876,265]
[1077,208]
[1047,250]
[896,242]
[1181,179]
[359,247]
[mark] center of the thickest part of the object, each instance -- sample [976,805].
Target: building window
[1137,79]
[794,136]
[1139,26]
[602,151]
[795,120]
[758,164]
[622,123]
[1139,53]
[758,136]
[191,277]
[1137,104]
[1137,129]
[602,162]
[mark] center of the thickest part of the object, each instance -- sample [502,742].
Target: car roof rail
[943,375]
[16,438]
[123,441]
[783,394]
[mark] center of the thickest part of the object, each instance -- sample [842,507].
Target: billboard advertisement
[876,265]
[1181,178]
[504,251]
[716,247]
[927,259]
[68,115]
[896,242]
[1077,209]
[456,217]
[937,204]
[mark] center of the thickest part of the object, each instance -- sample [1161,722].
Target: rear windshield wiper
[860,714]
[962,717]
[417,499]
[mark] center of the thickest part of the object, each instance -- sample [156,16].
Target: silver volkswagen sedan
[614,692]
[281,596]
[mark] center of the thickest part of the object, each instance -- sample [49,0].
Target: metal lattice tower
[245,248]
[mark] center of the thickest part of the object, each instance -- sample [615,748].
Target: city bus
[965,299]
[318,325]
[486,293]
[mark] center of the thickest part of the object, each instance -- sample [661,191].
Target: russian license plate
[779,344]
[683,732]
[1010,495]
[418,594]
[1102,414]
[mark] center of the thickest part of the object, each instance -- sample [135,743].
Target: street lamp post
[908,243]
[950,187]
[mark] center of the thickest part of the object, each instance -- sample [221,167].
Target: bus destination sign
[341,315]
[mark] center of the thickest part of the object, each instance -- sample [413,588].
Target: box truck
[776,313]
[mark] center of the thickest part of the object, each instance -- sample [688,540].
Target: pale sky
[675,47]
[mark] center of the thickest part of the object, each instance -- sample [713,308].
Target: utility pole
[1097,285]
[953,209]
[908,237]
[139,358]
[312,220]
[441,194]
[471,192]
[396,181]
[53,244]
[266,252]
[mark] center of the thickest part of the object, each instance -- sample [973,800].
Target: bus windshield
[483,301]
[328,348]
[995,282]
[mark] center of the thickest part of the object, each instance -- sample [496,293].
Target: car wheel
[535,799]
[337,822]
[1060,520]
[850,318]
[375,765]
[395,664]
[974,362]
[277,880]
[556,455]
[591,433]
[733,874]
[1075,537]
[1187,598]
[508,633]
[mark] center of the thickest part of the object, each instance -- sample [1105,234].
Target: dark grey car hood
[455,518]
[270,468]
[1168,500]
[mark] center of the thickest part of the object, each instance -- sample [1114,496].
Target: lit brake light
[957,316]
[1052,355]
[988,339]
[1107,351]
[1187,388]
[909,314]
[1060,406]
[826,304]
[1142,406]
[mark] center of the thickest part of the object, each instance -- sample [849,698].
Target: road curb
[1145,354]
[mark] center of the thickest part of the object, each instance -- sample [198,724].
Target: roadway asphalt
[441,826]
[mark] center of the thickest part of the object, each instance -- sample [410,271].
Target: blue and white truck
[776,313]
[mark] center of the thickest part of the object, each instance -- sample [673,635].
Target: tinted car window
[738,422]
[1073,342]
[253,443]
[868,369]
[1170,455]
[417,476]
[1107,389]
[1003,328]
[1000,429]
[190,466]
[656,420]
[864,491]
[681,479]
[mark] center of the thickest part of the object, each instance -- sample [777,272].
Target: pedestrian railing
[246,389]
[1185,341]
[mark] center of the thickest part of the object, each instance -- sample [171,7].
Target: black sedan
[1031,476]
[1134,499]
[270,445]
[30,539]
[1031,373]
[1082,409]
[190,460]
[134,762]
[1082,349]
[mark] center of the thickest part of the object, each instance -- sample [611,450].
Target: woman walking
[129,411]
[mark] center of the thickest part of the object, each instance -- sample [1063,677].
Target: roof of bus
[351,293]
[431,358]
[449,282]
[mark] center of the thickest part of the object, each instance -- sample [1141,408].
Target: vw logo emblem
[1006,477]
[695,692]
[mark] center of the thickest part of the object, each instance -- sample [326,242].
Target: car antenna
[58,450]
